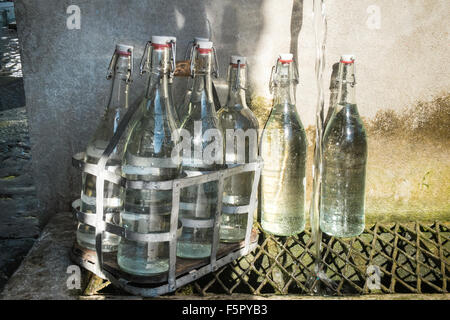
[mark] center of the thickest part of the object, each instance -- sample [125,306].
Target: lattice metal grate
[412,258]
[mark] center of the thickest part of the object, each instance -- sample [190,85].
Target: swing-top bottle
[119,72]
[344,161]
[148,157]
[240,131]
[202,133]
[283,149]
[183,108]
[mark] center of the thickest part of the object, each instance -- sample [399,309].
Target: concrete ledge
[42,275]
[245,297]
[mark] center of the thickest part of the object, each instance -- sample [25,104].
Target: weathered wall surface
[402,55]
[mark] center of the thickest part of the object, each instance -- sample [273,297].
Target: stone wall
[402,55]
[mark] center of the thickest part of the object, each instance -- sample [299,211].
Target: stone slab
[43,273]
[12,251]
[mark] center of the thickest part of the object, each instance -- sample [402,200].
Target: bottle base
[332,231]
[231,240]
[87,241]
[142,267]
[231,235]
[281,231]
[193,250]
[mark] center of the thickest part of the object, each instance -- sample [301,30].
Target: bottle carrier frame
[181,271]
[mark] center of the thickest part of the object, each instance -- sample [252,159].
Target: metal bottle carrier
[181,271]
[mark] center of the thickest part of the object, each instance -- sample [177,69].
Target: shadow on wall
[236,30]
[296,27]
[262,106]
[408,170]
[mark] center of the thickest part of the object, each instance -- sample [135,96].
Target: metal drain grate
[409,258]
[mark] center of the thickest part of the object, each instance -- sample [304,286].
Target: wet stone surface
[10,64]
[11,81]
[20,221]
[20,216]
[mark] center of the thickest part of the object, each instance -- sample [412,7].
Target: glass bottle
[183,109]
[204,137]
[283,149]
[344,162]
[240,130]
[120,72]
[147,157]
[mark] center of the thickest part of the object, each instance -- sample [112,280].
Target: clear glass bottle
[240,130]
[148,157]
[344,162]
[120,72]
[198,203]
[183,109]
[283,149]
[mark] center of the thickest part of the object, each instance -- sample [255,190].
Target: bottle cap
[286,58]
[348,58]
[198,39]
[204,47]
[235,59]
[205,44]
[123,49]
[161,41]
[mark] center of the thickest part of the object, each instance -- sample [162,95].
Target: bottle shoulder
[345,138]
[107,125]
[243,118]
[284,118]
[345,125]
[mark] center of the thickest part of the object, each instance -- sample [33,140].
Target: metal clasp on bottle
[215,69]
[112,65]
[352,82]
[215,66]
[146,60]
[173,62]
[144,65]
[238,77]
[130,70]
[273,83]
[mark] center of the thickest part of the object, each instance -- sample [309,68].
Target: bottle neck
[284,85]
[347,84]
[120,85]
[159,72]
[236,87]
[202,93]
[158,97]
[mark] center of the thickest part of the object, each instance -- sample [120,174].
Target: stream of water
[320,28]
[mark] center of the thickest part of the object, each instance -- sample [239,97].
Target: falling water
[320,27]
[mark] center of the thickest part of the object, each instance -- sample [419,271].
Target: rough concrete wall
[65,73]
[404,61]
